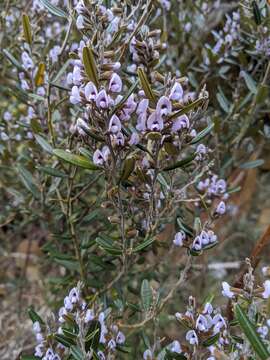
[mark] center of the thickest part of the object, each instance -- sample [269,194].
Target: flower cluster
[78,321]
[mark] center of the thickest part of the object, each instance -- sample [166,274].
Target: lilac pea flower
[208,308]
[80,23]
[219,323]
[54,53]
[141,122]
[221,208]
[130,105]
[101,156]
[90,91]
[77,76]
[56,357]
[114,125]
[115,84]
[36,327]
[155,122]
[27,62]
[204,238]
[119,139]
[212,236]
[7,116]
[101,355]
[74,295]
[39,350]
[68,304]
[75,97]
[148,355]
[221,186]
[164,106]
[49,354]
[266,293]
[226,290]
[80,7]
[182,122]
[177,92]
[179,237]
[134,139]
[120,338]
[112,345]
[202,323]
[39,338]
[142,106]
[176,347]
[197,243]
[81,126]
[192,337]
[61,313]
[102,100]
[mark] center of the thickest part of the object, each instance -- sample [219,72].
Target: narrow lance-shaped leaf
[146,295]
[39,78]
[43,143]
[90,64]
[180,163]
[256,13]
[27,33]
[28,181]
[146,85]
[13,60]
[251,84]
[251,333]
[202,134]
[73,159]
[53,9]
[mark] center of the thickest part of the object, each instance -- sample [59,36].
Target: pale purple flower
[115,84]
[77,75]
[74,295]
[49,354]
[141,122]
[41,91]
[56,357]
[101,355]
[90,91]
[263,331]
[142,106]
[176,93]
[201,151]
[80,7]
[75,97]
[27,62]
[120,338]
[147,355]
[204,238]
[221,208]
[179,237]
[208,308]
[54,53]
[39,337]
[212,236]
[112,345]
[101,156]
[164,106]
[266,293]
[7,116]
[36,327]
[114,125]
[102,100]
[119,139]
[134,139]
[68,304]
[155,122]
[221,186]
[39,350]
[202,323]
[80,22]
[218,322]
[197,243]
[192,337]
[176,347]
[182,122]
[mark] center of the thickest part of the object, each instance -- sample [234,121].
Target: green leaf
[124,99]
[223,102]
[211,341]
[146,295]
[187,108]
[53,9]
[28,181]
[251,84]
[27,29]
[92,336]
[34,316]
[149,93]
[249,330]
[128,167]
[256,13]
[67,342]
[43,143]
[73,159]
[51,171]
[90,64]
[29,357]
[76,353]
[202,134]
[12,59]
[180,163]
[252,164]
[107,246]
[143,245]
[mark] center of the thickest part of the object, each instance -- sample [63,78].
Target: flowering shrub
[123,148]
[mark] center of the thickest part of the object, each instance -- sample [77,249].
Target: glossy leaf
[90,64]
[146,295]
[73,159]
